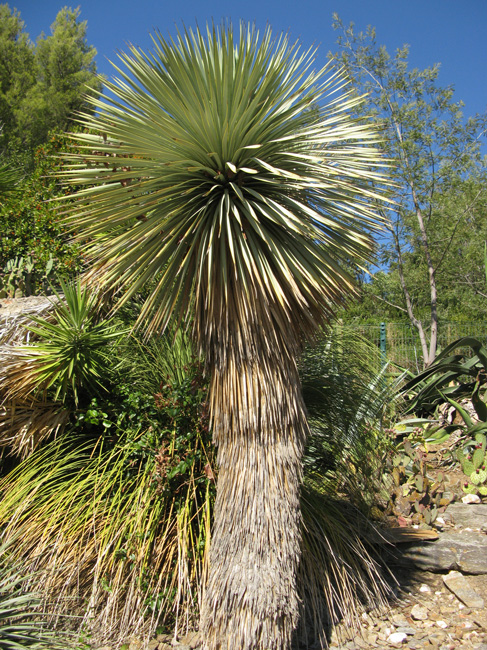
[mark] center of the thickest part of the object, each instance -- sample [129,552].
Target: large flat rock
[472,515]
[464,551]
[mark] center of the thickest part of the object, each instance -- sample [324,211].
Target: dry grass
[25,421]
[106,541]
[340,572]
[25,425]
[16,317]
[27,416]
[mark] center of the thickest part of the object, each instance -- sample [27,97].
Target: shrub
[31,228]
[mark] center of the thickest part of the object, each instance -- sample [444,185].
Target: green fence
[399,342]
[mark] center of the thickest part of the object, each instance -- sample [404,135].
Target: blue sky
[438,31]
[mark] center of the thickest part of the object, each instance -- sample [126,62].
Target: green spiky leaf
[228,158]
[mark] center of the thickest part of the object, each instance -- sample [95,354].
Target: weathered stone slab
[465,552]
[459,585]
[472,515]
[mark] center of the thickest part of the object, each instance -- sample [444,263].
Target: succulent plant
[409,489]
[19,275]
[474,465]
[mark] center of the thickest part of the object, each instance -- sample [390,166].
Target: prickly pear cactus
[409,491]
[474,466]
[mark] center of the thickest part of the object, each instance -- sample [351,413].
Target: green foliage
[70,353]
[408,489]
[18,278]
[16,74]
[473,461]
[30,226]
[431,258]
[9,178]
[42,85]
[451,378]
[348,397]
[460,370]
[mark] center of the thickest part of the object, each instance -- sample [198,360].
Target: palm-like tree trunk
[260,428]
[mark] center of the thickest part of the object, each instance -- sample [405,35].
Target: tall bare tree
[231,179]
[433,149]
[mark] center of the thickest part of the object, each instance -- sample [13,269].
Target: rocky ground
[441,594]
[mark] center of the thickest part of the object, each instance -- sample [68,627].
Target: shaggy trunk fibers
[260,427]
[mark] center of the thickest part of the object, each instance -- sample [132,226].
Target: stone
[465,552]
[398,619]
[419,613]
[471,498]
[459,585]
[397,637]
[409,631]
[473,515]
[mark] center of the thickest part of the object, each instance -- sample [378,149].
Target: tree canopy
[42,86]
[430,255]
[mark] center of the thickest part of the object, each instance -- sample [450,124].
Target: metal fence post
[383,345]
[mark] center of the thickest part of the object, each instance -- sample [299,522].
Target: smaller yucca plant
[70,353]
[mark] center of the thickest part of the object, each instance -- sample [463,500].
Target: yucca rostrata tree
[221,178]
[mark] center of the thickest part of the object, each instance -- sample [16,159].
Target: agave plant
[20,623]
[459,371]
[232,176]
